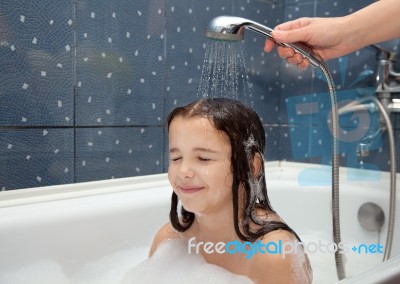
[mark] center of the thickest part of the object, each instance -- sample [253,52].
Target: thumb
[289,36]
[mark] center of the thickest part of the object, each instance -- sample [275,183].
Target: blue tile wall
[119,62]
[104,153]
[36,53]
[36,157]
[85,86]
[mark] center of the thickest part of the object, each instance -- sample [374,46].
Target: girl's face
[200,165]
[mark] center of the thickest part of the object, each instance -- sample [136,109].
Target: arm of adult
[337,36]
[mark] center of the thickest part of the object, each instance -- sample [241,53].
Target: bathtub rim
[32,195]
[109,186]
[77,190]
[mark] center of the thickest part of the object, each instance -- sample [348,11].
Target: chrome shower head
[229,28]
[226,28]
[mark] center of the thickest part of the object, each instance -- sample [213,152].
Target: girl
[216,169]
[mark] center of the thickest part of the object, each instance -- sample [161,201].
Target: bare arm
[338,36]
[376,23]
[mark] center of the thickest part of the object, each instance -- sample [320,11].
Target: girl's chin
[191,206]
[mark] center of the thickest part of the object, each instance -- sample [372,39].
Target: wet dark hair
[247,138]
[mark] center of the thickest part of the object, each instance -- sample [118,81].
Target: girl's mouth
[190,189]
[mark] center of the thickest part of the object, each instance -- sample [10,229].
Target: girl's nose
[185,171]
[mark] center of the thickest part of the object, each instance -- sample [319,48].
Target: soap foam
[172,263]
[110,269]
[44,271]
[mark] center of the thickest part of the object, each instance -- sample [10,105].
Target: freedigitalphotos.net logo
[283,248]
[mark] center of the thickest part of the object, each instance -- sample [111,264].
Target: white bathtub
[68,226]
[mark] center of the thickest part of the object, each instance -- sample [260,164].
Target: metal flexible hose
[340,271]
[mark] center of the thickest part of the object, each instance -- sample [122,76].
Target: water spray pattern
[224,72]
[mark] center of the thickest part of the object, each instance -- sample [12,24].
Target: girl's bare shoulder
[166,232]
[284,261]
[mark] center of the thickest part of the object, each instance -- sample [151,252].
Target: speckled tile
[92,75]
[36,55]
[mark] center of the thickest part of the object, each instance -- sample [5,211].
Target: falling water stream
[224,73]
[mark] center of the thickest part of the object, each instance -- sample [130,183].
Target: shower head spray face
[226,28]
[224,36]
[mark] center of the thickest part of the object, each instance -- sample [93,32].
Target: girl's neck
[217,227]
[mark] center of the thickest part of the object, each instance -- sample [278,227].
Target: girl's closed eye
[204,159]
[174,159]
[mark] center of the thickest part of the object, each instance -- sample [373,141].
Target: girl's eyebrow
[201,149]
[197,149]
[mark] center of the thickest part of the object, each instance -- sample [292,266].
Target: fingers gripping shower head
[230,28]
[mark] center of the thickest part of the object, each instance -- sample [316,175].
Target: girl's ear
[256,166]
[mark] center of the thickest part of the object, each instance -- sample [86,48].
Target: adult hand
[325,36]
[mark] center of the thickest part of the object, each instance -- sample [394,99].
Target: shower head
[229,28]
